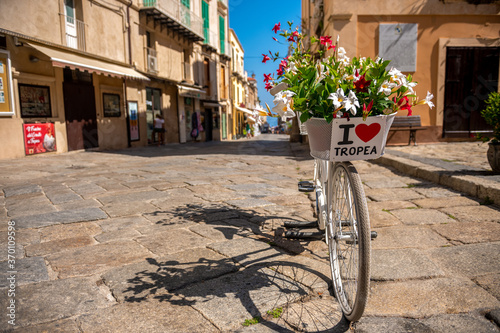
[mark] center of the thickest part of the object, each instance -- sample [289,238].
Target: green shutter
[186,3]
[222,35]
[206,22]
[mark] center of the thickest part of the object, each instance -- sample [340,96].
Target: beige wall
[440,23]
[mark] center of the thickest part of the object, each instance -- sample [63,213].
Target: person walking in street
[159,127]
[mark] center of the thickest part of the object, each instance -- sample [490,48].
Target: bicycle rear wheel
[349,240]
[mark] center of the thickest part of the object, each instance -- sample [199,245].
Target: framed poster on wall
[6,90]
[133,121]
[39,138]
[34,101]
[111,105]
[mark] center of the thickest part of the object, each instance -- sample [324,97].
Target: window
[71,33]
[222,35]
[186,3]
[206,22]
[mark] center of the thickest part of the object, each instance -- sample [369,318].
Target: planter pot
[348,140]
[494,156]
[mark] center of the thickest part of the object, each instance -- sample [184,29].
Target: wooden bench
[408,123]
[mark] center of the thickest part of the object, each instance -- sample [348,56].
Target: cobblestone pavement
[181,238]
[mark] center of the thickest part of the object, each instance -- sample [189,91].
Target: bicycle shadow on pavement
[240,277]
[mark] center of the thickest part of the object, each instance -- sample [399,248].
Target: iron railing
[178,12]
[74,31]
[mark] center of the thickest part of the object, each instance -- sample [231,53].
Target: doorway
[471,74]
[80,110]
[208,125]
[153,107]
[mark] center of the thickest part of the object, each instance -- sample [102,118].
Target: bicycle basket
[348,139]
[302,126]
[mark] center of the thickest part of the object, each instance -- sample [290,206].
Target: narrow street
[185,238]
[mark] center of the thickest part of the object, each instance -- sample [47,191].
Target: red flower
[404,104]
[266,58]
[283,63]
[268,86]
[277,27]
[294,35]
[267,77]
[326,40]
[280,71]
[362,85]
[275,39]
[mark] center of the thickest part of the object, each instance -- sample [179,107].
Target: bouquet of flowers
[325,83]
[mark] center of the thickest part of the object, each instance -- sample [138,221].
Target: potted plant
[491,115]
[323,87]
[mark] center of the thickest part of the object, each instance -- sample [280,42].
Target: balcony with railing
[74,31]
[175,16]
[211,39]
[224,3]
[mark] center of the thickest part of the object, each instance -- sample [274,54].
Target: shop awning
[187,91]
[244,110]
[212,104]
[62,58]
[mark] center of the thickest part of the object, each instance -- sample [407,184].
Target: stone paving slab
[94,259]
[25,270]
[428,297]
[120,209]
[15,190]
[470,232]
[474,213]
[68,216]
[384,194]
[171,241]
[457,323]
[156,277]
[58,326]
[490,282]
[468,260]
[44,302]
[42,249]
[402,264]
[449,201]
[248,252]
[407,237]
[138,318]
[421,216]
[249,293]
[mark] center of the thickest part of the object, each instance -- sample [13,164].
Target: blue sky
[252,20]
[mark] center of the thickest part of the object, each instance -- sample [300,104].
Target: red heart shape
[367,132]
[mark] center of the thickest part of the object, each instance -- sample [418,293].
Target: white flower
[386,87]
[351,103]
[396,76]
[284,96]
[282,102]
[338,98]
[409,85]
[428,100]
[341,52]
[291,67]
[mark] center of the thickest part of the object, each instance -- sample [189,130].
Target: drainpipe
[127,119]
[129,33]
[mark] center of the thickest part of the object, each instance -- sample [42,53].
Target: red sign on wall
[39,138]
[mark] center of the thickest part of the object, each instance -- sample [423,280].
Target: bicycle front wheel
[349,240]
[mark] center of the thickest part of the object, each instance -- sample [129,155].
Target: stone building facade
[95,73]
[451,47]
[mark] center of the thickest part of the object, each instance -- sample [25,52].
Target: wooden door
[471,74]
[81,119]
